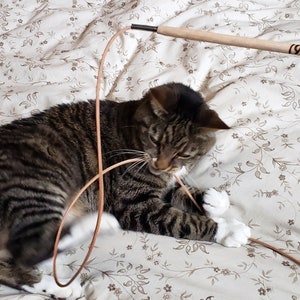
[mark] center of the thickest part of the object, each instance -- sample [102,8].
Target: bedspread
[49,54]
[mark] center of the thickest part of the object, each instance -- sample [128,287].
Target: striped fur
[46,159]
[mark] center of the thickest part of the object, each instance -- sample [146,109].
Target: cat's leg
[177,197]
[231,232]
[211,200]
[14,276]
[80,231]
[31,280]
[33,243]
[29,250]
[158,216]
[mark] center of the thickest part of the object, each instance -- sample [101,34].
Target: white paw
[109,223]
[47,286]
[84,229]
[232,233]
[215,203]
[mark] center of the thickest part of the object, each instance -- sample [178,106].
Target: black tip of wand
[144,27]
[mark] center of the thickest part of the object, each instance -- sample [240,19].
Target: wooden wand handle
[225,39]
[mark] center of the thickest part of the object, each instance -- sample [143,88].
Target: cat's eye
[153,140]
[183,156]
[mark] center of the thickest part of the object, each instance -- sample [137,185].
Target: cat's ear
[163,99]
[209,118]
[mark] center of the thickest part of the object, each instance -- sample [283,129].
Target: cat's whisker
[119,152]
[143,164]
[134,165]
[127,151]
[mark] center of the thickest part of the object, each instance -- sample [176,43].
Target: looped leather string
[99,177]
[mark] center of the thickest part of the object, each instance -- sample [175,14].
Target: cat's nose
[162,163]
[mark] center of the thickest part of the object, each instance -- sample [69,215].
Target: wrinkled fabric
[49,54]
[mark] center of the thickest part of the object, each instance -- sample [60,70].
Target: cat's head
[177,127]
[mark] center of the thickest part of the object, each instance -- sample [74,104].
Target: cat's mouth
[157,168]
[155,171]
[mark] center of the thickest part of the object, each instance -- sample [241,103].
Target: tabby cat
[47,158]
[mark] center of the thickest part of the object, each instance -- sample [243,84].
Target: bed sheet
[49,54]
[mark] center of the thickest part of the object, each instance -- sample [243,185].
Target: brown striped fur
[46,159]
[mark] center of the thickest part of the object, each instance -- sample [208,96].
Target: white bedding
[49,54]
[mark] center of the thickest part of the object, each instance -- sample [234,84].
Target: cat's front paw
[232,233]
[48,287]
[215,203]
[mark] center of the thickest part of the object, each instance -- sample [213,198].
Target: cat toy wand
[225,39]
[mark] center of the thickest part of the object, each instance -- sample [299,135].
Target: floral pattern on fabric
[49,54]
